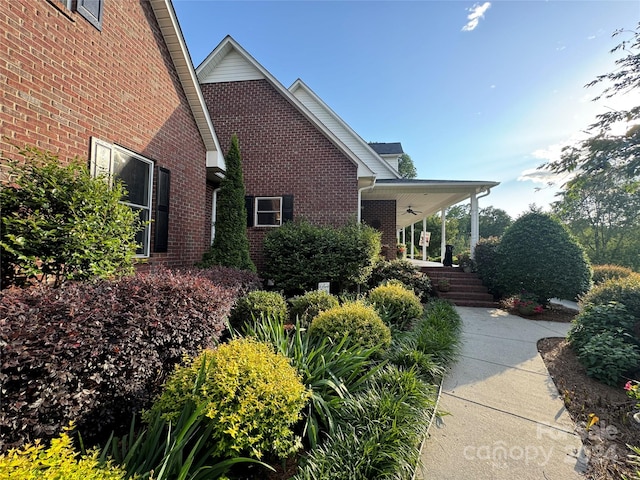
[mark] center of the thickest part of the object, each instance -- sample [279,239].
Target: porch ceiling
[424,196]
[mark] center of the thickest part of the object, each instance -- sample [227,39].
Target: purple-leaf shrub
[96,353]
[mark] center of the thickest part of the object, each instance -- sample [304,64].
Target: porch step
[466,289]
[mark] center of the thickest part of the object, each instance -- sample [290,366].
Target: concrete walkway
[506,419]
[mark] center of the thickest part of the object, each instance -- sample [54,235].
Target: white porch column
[424,247]
[475,224]
[412,240]
[443,231]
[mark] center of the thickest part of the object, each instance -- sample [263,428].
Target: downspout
[360,190]
[475,221]
[214,213]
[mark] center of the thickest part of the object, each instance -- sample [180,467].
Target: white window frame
[103,163]
[256,212]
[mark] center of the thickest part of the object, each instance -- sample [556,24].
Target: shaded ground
[606,440]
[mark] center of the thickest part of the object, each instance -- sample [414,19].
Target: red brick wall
[64,81]
[381,214]
[282,153]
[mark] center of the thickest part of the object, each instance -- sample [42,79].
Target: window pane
[268,218]
[143,235]
[135,175]
[269,204]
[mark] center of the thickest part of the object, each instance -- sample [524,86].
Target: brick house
[112,81]
[300,159]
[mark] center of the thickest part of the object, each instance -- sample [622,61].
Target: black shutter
[161,243]
[248,203]
[92,11]
[287,208]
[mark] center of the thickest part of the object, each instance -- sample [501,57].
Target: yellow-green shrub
[58,462]
[358,321]
[253,396]
[602,273]
[395,304]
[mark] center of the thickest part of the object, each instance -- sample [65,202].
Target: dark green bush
[258,304]
[98,352]
[602,273]
[299,255]
[60,223]
[486,258]
[251,395]
[537,254]
[359,322]
[395,304]
[595,319]
[306,307]
[403,271]
[608,356]
[623,290]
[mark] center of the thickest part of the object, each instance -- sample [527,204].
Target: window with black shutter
[161,243]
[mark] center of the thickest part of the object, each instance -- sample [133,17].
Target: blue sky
[474,91]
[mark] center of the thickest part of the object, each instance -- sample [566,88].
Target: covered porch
[401,203]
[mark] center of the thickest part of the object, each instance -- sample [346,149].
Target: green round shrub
[622,290]
[403,271]
[607,357]
[395,304]
[595,319]
[305,307]
[602,273]
[256,305]
[539,255]
[359,322]
[59,461]
[486,258]
[252,395]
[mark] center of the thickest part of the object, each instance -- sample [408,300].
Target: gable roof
[229,62]
[394,148]
[170,28]
[342,130]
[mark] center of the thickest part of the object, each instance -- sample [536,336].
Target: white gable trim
[170,28]
[342,130]
[209,72]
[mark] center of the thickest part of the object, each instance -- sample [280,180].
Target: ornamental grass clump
[251,395]
[358,322]
[395,304]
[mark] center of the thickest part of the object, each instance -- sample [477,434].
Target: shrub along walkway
[506,418]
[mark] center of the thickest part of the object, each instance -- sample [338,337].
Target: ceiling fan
[412,211]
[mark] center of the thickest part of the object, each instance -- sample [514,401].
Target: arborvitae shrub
[539,255]
[97,352]
[602,273]
[59,461]
[402,271]
[395,304]
[256,305]
[359,322]
[305,307]
[299,255]
[252,396]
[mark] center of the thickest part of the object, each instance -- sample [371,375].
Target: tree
[231,246]
[60,223]
[537,254]
[493,222]
[406,167]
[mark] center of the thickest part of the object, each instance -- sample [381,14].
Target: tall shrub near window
[231,246]
[60,223]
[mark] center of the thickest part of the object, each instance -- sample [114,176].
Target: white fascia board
[229,43]
[299,84]
[170,28]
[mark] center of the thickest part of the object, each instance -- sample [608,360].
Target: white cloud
[534,175]
[475,14]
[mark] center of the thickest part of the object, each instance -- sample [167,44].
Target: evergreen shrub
[403,271]
[299,255]
[252,397]
[623,290]
[486,258]
[602,273]
[256,305]
[304,308]
[538,254]
[358,322]
[395,304]
[98,352]
[59,223]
